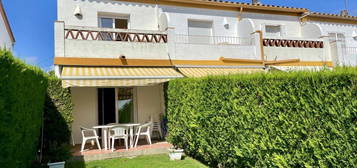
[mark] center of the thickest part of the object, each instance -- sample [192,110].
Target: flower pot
[175,154]
[56,165]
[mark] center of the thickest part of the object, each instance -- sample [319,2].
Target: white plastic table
[105,130]
[131,131]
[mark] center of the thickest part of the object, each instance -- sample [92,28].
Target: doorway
[116,105]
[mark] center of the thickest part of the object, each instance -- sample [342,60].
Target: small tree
[57,122]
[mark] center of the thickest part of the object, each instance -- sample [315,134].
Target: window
[114,23]
[121,22]
[273,31]
[337,37]
[200,31]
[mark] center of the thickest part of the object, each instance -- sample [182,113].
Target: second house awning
[221,70]
[116,76]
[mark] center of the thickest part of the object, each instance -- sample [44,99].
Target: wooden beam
[71,61]
[240,60]
[282,61]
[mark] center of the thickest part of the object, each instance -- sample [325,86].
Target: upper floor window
[200,31]
[337,37]
[114,22]
[273,30]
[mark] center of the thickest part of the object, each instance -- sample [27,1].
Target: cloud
[33,60]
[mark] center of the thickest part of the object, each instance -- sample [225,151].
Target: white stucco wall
[85,111]
[149,103]
[346,29]
[213,52]
[114,49]
[142,16]
[310,30]
[178,18]
[304,54]
[290,24]
[5,40]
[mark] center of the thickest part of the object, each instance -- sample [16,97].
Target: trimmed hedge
[22,97]
[57,122]
[298,119]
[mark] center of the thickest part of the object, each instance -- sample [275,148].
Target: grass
[151,161]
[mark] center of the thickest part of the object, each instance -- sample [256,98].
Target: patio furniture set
[112,132]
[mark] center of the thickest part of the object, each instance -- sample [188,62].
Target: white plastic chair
[143,130]
[156,127]
[89,134]
[118,133]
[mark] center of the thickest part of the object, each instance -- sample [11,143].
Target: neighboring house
[116,55]
[7,39]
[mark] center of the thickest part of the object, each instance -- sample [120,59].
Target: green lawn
[152,161]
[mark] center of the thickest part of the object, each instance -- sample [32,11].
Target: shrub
[57,122]
[299,119]
[22,97]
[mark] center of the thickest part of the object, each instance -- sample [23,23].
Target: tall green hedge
[22,97]
[300,119]
[57,122]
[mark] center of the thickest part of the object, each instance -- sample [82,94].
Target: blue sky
[32,24]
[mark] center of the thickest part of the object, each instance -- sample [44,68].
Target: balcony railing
[293,43]
[213,40]
[104,34]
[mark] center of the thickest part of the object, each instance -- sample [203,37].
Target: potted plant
[175,153]
[56,165]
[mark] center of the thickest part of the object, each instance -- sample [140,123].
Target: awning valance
[207,71]
[116,76]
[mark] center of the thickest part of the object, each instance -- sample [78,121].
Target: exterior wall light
[78,12]
[225,23]
[354,35]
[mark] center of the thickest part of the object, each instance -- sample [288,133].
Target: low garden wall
[22,98]
[299,119]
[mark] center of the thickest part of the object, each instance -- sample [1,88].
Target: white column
[256,43]
[59,39]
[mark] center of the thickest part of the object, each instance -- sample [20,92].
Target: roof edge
[253,8]
[218,3]
[7,24]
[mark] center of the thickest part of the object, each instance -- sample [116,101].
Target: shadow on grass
[77,162]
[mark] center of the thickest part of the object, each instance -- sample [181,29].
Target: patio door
[125,105]
[106,106]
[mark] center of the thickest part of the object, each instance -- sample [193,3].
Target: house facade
[116,55]
[7,39]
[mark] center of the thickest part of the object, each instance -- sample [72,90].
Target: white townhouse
[7,39]
[115,55]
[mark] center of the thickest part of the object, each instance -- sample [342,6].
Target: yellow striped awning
[207,71]
[116,76]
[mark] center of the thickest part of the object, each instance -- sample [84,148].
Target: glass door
[125,105]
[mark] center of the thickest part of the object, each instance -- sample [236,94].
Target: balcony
[295,48]
[93,42]
[213,47]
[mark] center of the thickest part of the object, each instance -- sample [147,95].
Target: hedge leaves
[22,97]
[299,119]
